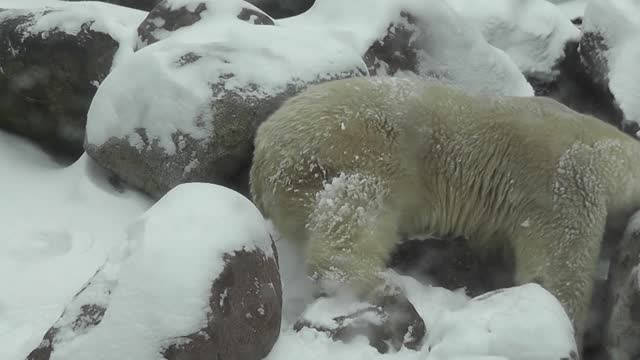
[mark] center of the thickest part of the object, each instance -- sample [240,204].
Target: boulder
[186,111]
[389,323]
[167,17]
[197,277]
[609,50]
[575,88]
[533,33]
[52,61]
[145,5]
[501,323]
[409,38]
[283,8]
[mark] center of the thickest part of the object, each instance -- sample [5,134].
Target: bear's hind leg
[559,249]
[351,232]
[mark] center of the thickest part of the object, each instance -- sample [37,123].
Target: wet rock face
[48,80]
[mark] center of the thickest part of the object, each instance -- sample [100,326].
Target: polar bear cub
[348,165]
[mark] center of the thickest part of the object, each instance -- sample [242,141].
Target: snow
[618,21]
[456,53]
[175,249]
[49,15]
[572,9]
[532,32]
[57,225]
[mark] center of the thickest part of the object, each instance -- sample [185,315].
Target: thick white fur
[348,165]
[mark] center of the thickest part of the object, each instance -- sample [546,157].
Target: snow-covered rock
[534,33]
[503,323]
[610,49]
[389,323]
[427,38]
[283,8]
[169,16]
[186,108]
[196,275]
[145,5]
[52,59]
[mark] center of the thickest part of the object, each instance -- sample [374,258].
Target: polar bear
[348,166]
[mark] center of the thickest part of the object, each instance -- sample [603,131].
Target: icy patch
[532,32]
[175,249]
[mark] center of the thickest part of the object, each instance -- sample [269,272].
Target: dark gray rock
[389,323]
[245,312]
[48,79]
[582,83]
[84,312]
[278,9]
[145,5]
[164,19]
[451,263]
[397,50]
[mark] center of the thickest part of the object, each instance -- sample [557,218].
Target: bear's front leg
[559,249]
[351,232]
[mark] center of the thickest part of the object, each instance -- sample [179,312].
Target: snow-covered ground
[56,226]
[59,223]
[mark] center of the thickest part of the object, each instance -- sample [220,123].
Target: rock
[52,61]
[166,17]
[179,112]
[145,5]
[533,33]
[84,312]
[283,8]
[623,327]
[246,308]
[609,50]
[389,323]
[500,323]
[424,38]
[196,278]
[451,263]
[575,88]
